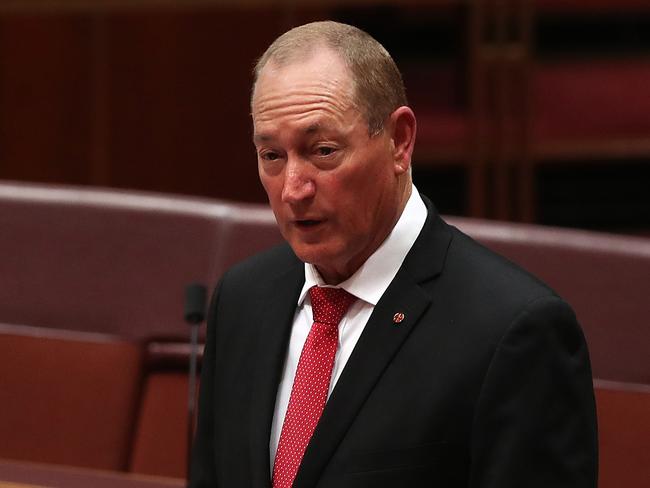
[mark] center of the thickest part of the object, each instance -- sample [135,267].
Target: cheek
[272,187]
[356,206]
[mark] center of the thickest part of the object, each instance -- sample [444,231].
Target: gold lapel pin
[398,317]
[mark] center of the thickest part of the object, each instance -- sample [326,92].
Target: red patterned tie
[312,381]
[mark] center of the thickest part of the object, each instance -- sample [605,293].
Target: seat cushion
[67,397]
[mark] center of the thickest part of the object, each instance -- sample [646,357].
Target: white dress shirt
[368,284]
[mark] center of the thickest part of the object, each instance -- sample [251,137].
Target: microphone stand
[195,299]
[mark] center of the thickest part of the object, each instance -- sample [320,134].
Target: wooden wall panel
[179,110]
[146,99]
[45,97]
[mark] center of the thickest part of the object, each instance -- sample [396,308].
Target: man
[449,366]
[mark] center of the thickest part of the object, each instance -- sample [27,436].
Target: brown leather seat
[67,397]
[160,442]
[624,434]
[114,261]
[32,475]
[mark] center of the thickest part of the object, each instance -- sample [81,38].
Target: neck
[334,276]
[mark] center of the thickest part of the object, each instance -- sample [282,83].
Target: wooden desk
[14,474]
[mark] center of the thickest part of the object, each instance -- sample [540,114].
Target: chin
[307,254]
[315,254]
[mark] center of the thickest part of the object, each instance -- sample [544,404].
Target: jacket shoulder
[490,291]
[472,260]
[262,268]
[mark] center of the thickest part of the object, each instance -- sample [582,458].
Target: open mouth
[306,224]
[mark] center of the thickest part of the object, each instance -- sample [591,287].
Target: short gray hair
[379,88]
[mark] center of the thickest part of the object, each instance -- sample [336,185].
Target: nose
[298,183]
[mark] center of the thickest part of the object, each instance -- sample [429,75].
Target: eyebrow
[261,137]
[310,129]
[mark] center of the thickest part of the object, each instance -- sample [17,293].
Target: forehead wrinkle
[309,128]
[298,100]
[282,89]
[298,114]
[313,116]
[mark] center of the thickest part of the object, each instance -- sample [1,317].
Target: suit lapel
[378,344]
[274,333]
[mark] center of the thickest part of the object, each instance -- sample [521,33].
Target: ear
[403,127]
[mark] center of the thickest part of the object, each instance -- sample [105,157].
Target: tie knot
[329,304]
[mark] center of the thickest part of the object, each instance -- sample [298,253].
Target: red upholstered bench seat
[116,261]
[624,434]
[33,475]
[160,439]
[67,397]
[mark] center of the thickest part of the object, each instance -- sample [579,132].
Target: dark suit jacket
[486,382]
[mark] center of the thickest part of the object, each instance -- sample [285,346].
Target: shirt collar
[371,280]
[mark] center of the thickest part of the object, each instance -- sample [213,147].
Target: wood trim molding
[105,6]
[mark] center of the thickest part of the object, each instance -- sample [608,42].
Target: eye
[325,150]
[269,156]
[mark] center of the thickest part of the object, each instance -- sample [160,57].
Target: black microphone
[195,297]
[195,294]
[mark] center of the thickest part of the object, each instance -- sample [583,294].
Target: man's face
[334,189]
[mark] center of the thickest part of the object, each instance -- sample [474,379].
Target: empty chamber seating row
[92,400]
[116,263]
[113,264]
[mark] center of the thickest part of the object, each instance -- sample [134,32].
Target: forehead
[318,85]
